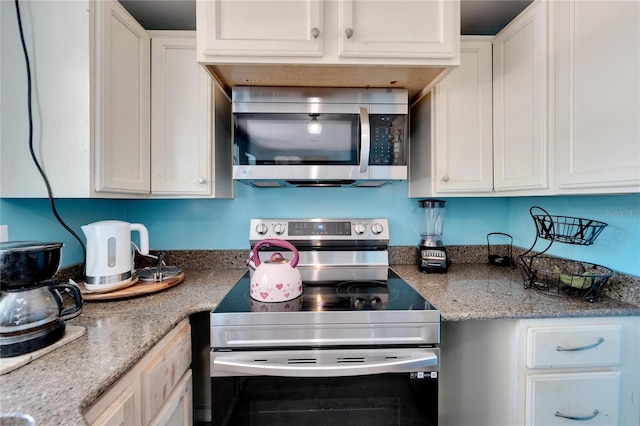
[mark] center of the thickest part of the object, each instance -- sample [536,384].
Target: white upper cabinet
[520,102]
[90,101]
[330,43]
[122,101]
[188,110]
[398,29]
[597,129]
[451,147]
[262,28]
[463,130]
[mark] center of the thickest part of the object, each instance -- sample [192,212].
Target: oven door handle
[345,368]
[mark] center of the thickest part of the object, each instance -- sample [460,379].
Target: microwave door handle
[325,370]
[365,139]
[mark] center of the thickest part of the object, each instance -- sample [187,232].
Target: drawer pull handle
[582,348]
[581,418]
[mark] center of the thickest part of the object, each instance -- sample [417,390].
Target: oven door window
[274,139]
[386,399]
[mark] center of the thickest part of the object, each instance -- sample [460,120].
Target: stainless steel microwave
[299,136]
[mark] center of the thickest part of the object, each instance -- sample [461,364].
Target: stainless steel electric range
[359,346]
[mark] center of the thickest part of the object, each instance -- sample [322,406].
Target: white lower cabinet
[540,372]
[156,391]
[553,399]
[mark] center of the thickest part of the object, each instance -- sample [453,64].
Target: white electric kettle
[109,256]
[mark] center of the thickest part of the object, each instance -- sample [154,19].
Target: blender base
[433,260]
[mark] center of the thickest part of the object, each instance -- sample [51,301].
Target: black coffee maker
[32,312]
[429,216]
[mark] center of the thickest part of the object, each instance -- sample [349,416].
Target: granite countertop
[60,386]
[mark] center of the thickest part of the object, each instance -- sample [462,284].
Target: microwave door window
[267,139]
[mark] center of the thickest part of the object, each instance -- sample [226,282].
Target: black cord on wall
[31,150]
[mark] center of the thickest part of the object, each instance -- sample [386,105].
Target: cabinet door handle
[580,418]
[315,32]
[348,32]
[202,180]
[582,348]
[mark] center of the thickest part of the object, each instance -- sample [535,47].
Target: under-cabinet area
[540,371]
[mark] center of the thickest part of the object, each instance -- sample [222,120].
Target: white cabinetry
[90,100]
[322,41]
[156,391]
[189,113]
[540,371]
[597,128]
[121,100]
[463,129]
[520,102]
[451,147]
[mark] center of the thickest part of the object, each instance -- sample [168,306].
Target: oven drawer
[326,362]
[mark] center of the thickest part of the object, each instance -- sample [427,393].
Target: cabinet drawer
[573,346]
[161,375]
[561,399]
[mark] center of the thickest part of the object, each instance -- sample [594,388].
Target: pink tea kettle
[277,279]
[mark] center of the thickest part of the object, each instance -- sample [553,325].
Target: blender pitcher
[428,219]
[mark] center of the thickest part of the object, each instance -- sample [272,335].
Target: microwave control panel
[388,135]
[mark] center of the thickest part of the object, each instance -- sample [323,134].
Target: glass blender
[429,221]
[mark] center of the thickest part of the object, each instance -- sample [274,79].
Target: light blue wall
[223,224]
[618,247]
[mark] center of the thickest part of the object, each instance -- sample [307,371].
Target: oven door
[386,386]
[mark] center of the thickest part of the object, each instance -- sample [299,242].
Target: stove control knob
[279,228]
[261,228]
[377,228]
[360,228]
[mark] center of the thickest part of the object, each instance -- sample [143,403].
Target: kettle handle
[277,243]
[144,237]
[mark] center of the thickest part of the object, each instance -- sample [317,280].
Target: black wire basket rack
[562,277]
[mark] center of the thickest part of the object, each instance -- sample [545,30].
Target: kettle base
[106,288]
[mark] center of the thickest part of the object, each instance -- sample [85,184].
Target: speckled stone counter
[59,387]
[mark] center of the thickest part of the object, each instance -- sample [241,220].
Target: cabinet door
[181,92]
[122,101]
[398,29]
[561,399]
[261,28]
[598,96]
[464,136]
[177,410]
[120,413]
[163,371]
[520,102]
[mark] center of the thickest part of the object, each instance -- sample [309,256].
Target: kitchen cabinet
[486,128]
[156,391]
[463,141]
[189,113]
[597,96]
[121,101]
[540,371]
[90,100]
[520,103]
[328,43]
[451,146]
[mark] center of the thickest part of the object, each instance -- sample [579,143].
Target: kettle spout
[250,263]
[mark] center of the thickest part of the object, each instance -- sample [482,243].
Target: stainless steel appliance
[319,136]
[433,253]
[359,346]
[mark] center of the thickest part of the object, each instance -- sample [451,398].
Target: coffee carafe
[428,218]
